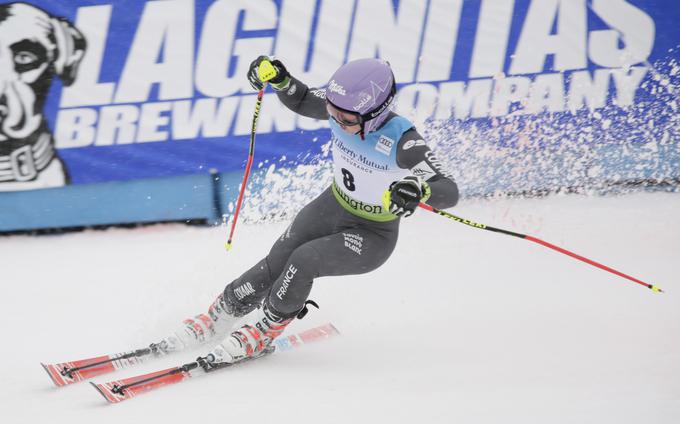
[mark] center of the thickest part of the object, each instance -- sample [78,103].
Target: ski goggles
[344,118]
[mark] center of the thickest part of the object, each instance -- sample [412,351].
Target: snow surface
[460,325]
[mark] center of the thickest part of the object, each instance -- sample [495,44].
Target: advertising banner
[514,95]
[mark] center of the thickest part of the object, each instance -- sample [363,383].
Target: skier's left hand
[255,79]
[403,196]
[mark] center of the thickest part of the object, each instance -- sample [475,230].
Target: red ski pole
[542,243]
[244,183]
[267,72]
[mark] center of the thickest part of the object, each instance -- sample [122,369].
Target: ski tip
[57,382]
[99,390]
[102,391]
[47,370]
[335,329]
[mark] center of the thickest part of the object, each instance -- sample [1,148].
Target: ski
[66,373]
[119,390]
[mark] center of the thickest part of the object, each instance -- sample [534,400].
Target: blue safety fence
[191,198]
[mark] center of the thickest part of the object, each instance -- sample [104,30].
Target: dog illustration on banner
[34,47]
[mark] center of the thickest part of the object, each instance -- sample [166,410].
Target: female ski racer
[382,170]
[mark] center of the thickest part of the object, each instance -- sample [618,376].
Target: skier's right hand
[278,81]
[404,196]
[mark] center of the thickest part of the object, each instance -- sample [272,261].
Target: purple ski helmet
[365,88]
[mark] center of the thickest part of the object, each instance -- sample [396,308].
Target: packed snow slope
[460,325]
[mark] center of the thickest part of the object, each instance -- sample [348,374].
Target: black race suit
[326,238]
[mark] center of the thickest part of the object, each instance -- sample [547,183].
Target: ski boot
[253,339]
[221,317]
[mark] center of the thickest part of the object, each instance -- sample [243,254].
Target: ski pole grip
[266,71]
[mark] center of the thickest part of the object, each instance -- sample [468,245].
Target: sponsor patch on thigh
[354,242]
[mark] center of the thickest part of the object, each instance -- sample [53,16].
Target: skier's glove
[279,81]
[403,196]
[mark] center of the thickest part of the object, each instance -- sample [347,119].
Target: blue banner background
[119,162]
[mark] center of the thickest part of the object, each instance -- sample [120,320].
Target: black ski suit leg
[317,219]
[360,247]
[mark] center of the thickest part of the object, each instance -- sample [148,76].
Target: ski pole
[266,71]
[541,242]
